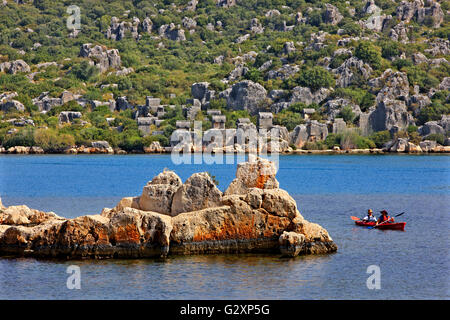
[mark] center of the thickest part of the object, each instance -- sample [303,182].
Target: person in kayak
[370,217]
[384,217]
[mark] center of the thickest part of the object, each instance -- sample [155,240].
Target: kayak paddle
[354,218]
[398,215]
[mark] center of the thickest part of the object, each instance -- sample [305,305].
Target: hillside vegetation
[380,67]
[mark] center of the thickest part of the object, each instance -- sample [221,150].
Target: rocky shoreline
[402,148]
[173,218]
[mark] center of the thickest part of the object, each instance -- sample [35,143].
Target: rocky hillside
[353,74]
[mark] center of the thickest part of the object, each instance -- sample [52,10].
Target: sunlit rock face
[174,218]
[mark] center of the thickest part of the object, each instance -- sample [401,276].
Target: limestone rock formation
[246,95]
[104,58]
[172,32]
[390,85]
[334,107]
[256,174]
[332,15]
[14,67]
[406,11]
[254,217]
[11,105]
[389,114]
[351,71]
[306,96]
[309,132]
[68,116]
[197,193]
[158,194]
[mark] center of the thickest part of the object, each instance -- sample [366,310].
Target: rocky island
[253,215]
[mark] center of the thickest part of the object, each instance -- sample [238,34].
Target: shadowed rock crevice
[172,218]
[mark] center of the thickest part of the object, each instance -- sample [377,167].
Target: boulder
[118,30]
[12,105]
[331,14]
[45,102]
[127,202]
[14,67]
[399,145]
[246,95]
[191,5]
[350,71]
[445,122]
[389,114]
[22,215]
[407,10]
[147,25]
[259,173]
[306,96]
[291,243]
[68,116]
[197,193]
[434,13]
[438,46]
[283,73]
[102,146]
[289,47]
[157,195]
[189,23]
[428,145]
[390,85]
[154,147]
[309,132]
[431,127]
[226,3]
[172,32]
[399,32]
[370,7]
[334,107]
[412,148]
[255,26]
[377,22]
[201,92]
[103,58]
[238,72]
[445,84]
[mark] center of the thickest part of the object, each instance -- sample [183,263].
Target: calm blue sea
[328,189]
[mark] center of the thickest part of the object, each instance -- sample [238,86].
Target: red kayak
[384,226]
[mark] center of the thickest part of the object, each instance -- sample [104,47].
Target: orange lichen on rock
[127,234]
[229,229]
[261,181]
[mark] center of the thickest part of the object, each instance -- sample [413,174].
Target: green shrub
[433,112]
[51,141]
[439,138]
[352,140]
[315,78]
[332,140]
[24,137]
[380,138]
[163,140]
[369,53]
[84,71]
[288,119]
[347,114]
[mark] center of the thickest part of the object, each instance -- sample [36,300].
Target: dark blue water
[328,189]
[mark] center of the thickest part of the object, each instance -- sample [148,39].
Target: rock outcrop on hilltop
[103,58]
[170,218]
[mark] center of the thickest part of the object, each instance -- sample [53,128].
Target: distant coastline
[90,150]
